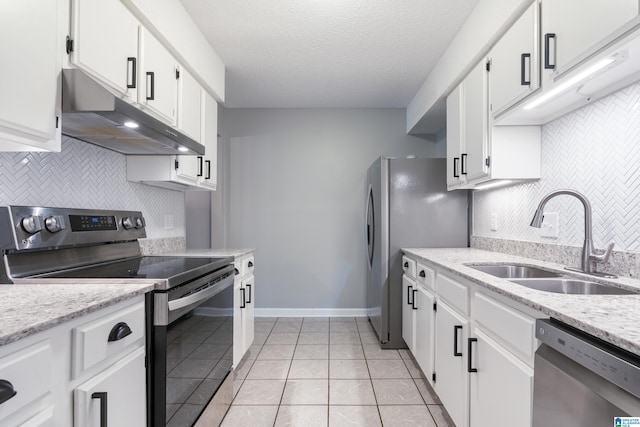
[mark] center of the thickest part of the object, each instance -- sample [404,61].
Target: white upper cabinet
[189,104]
[105,44]
[30,76]
[574,29]
[475,162]
[209,178]
[455,138]
[515,70]
[158,78]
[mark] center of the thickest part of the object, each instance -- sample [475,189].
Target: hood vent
[93,114]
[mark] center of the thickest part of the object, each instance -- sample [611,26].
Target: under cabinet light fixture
[183,149]
[131,125]
[493,184]
[572,81]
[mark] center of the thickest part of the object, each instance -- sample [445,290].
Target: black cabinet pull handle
[102,396]
[199,166]
[6,391]
[244,298]
[250,264]
[406,264]
[236,271]
[547,47]
[523,75]
[409,293]
[151,83]
[131,61]
[455,167]
[413,302]
[456,351]
[208,176]
[422,274]
[470,367]
[119,331]
[463,164]
[249,287]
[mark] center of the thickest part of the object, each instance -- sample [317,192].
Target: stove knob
[32,224]
[54,223]
[127,222]
[139,222]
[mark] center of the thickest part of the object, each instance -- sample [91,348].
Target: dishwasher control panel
[606,360]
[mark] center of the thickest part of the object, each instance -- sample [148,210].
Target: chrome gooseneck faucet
[589,258]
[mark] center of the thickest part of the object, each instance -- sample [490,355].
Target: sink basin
[513,271]
[571,285]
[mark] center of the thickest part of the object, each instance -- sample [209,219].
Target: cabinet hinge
[177,74]
[433,377]
[69,46]
[57,121]
[487,161]
[435,306]
[176,164]
[489,65]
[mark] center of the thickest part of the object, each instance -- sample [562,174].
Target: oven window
[199,357]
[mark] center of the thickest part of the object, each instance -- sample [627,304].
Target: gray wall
[293,188]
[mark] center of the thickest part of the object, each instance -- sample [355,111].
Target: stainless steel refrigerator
[408,206]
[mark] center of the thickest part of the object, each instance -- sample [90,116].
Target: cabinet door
[158,82]
[425,323]
[455,137]
[209,178]
[119,390]
[105,37]
[30,101]
[189,105]
[238,336]
[575,29]
[408,312]
[189,169]
[500,378]
[452,378]
[514,63]
[475,113]
[248,315]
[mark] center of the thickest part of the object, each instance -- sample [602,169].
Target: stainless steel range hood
[93,114]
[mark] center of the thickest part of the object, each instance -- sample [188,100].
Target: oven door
[190,347]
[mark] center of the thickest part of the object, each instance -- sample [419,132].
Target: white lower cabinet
[476,348]
[408,312]
[116,395]
[243,307]
[59,374]
[424,330]
[502,387]
[452,378]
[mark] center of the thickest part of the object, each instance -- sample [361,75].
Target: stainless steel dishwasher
[580,380]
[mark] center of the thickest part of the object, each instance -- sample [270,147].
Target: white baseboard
[311,312]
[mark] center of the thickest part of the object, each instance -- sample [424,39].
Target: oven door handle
[200,296]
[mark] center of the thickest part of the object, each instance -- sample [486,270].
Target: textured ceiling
[327,53]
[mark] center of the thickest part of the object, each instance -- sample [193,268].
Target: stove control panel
[35,227]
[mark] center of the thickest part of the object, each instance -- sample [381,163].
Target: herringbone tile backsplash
[594,150]
[83,175]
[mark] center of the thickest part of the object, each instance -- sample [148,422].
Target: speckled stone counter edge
[621,263]
[613,318]
[160,246]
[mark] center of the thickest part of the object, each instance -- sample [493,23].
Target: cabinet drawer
[515,329]
[426,276]
[456,294]
[91,343]
[409,266]
[30,373]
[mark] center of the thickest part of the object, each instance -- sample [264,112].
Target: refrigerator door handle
[371,226]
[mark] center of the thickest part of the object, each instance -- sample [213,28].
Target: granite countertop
[236,253]
[29,309]
[613,318]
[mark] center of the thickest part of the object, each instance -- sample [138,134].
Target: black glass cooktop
[168,268]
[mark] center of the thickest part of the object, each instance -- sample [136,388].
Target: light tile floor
[331,372]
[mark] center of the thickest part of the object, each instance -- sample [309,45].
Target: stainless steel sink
[513,271]
[571,285]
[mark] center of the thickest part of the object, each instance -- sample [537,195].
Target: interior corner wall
[296,193]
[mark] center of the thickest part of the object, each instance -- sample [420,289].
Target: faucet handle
[604,257]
